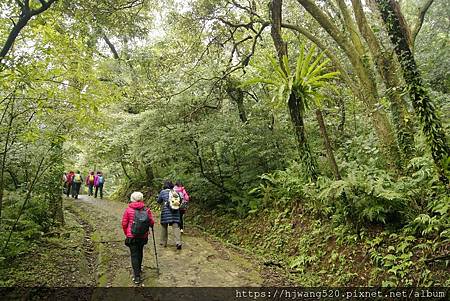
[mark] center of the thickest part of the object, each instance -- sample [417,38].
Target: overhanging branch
[420,18]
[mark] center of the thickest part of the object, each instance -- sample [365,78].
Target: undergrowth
[371,228]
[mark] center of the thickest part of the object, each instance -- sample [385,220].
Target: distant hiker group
[73,180]
[137,220]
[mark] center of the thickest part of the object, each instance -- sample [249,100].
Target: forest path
[201,263]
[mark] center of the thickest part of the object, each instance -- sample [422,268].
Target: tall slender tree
[423,105]
[294,102]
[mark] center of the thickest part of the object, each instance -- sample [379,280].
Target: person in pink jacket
[185,196]
[136,221]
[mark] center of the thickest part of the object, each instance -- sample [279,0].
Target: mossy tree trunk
[237,95]
[350,42]
[424,107]
[327,144]
[385,66]
[296,114]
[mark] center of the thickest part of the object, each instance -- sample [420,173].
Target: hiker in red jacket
[69,182]
[136,221]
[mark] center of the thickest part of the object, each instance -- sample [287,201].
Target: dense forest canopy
[336,110]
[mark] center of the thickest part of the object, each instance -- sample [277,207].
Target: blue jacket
[168,216]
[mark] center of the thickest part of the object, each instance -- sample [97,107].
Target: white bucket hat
[136,196]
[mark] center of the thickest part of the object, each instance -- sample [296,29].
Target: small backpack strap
[167,203]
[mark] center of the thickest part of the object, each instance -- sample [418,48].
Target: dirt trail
[200,263]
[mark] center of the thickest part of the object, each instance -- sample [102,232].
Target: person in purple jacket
[98,184]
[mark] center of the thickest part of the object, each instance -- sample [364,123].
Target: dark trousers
[136,246]
[76,189]
[182,212]
[91,189]
[69,185]
[97,188]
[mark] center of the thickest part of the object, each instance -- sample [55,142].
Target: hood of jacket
[137,205]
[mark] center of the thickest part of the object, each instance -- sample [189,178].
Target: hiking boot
[137,280]
[178,247]
[181,230]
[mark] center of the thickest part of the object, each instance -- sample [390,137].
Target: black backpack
[141,222]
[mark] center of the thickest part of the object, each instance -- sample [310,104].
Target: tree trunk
[203,171]
[306,156]
[25,15]
[241,109]
[150,176]
[125,170]
[385,66]
[326,142]
[403,125]
[111,47]
[342,116]
[369,93]
[13,178]
[5,153]
[219,169]
[424,107]
[23,20]
[295,112]
[237,95]
[280,45]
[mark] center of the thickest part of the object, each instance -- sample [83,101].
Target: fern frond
[315,63]
[277,68]
[299,63]
[321,68]
[286,65]
[307,61]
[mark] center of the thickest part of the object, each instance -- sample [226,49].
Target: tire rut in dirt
[88,246]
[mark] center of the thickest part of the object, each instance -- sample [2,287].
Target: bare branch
[131,4]
[111,47]
[13,22]
[420,18]
[255,39]
[25,16]
[250,10]
[235,45]
[248,25]
[44,7]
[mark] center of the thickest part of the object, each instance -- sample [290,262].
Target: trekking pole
[156,254]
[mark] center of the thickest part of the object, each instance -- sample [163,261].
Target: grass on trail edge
[52,261]
[315,253]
